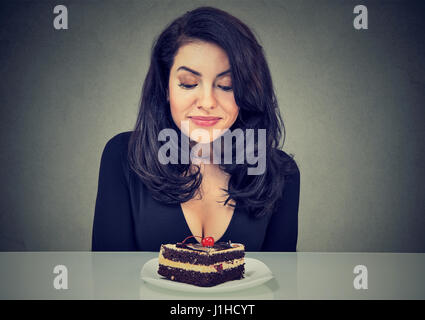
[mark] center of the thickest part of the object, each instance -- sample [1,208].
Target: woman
[207,74]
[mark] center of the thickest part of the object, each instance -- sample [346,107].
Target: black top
[127,218]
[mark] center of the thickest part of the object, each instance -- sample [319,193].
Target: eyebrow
[199,74]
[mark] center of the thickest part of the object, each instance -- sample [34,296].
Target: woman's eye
[225,88]
[187,86]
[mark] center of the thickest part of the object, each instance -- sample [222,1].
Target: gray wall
[352,102]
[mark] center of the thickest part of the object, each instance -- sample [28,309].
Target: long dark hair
[254,95]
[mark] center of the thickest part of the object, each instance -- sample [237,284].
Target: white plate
[256,273]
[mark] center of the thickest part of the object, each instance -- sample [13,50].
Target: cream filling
[208,251]
[199,268]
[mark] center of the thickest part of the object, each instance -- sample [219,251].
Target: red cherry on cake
[208,242]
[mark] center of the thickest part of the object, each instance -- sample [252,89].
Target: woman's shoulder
[116,149]
[119,140]
[114,160]
[118,144]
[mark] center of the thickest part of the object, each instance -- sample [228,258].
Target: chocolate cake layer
[194,257]
[203,279]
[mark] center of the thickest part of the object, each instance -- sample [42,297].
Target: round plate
[256,273]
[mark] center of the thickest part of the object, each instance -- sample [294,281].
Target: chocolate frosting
[198,247]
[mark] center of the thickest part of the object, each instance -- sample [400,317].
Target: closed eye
[190,86]
[225,88]
[187,86]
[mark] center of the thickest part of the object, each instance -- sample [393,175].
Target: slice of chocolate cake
[200,265]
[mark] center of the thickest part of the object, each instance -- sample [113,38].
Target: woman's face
[200,91]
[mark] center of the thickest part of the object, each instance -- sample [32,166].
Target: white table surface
[302,275]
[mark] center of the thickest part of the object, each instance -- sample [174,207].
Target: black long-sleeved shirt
[127,218]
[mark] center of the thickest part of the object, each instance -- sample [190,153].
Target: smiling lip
[205,121]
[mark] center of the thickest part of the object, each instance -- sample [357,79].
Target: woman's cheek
[232,110]
[179,112]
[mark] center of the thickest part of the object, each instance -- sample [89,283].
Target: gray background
[352,102]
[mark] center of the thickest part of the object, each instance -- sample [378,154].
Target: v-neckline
[189,232]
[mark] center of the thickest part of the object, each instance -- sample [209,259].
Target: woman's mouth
[204,121]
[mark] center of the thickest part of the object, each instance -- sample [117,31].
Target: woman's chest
[205,214]
[156,223]
[208,217]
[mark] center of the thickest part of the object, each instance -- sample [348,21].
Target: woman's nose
[207,99]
